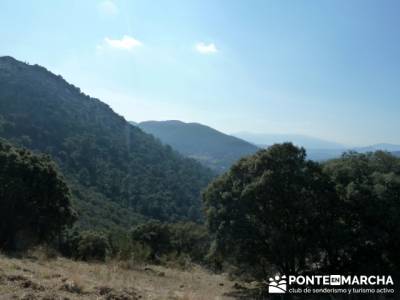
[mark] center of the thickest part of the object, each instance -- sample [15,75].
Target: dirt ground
[60,278]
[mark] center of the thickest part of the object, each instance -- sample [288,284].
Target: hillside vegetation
[119,175]
[38,277]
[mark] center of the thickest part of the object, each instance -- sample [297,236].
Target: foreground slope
[59,278]
[209,146]
[116,171]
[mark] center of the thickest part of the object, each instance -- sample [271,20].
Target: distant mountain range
[317,149]
[219,151]
[307,142]
[212,148]
[376,147]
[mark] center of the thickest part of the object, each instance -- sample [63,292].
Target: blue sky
[329,69]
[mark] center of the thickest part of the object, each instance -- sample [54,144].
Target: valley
[173,210]
[199,150]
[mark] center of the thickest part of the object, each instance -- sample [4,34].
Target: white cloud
[206,49]
[108,7]
[126,43]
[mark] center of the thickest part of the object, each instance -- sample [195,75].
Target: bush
[93,246]
[190,239]
[86,245]
[154,242]
[121,246]
[155,235]
[173,242]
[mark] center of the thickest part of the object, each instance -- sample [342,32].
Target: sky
[323,68]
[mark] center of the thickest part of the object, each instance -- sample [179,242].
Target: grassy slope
[35,278]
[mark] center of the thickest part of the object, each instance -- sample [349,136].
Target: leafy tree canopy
[369,188]
[34,199]
[271,210]
[278,211]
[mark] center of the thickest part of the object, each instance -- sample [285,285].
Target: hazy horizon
[322,69]
[280,136]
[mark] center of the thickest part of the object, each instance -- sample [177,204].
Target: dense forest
[212,148]
[118,175]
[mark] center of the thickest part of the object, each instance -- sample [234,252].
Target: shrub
[181,241]
[92,246]
[155,235]
[85,245]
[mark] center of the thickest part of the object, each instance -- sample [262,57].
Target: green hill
[119,175]
[212,148]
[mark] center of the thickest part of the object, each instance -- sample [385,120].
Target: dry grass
[60,278]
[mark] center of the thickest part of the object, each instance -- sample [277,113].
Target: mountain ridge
[317,149]
[119,175]
[396,153]
[380,146]
[266,139]
[211,147]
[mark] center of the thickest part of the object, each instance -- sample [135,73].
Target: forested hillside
[212,148]
[118,174]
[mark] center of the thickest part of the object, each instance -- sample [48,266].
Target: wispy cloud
[125,43]
[108,7]
[206,48]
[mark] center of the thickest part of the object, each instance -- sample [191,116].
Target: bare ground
[60,278]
